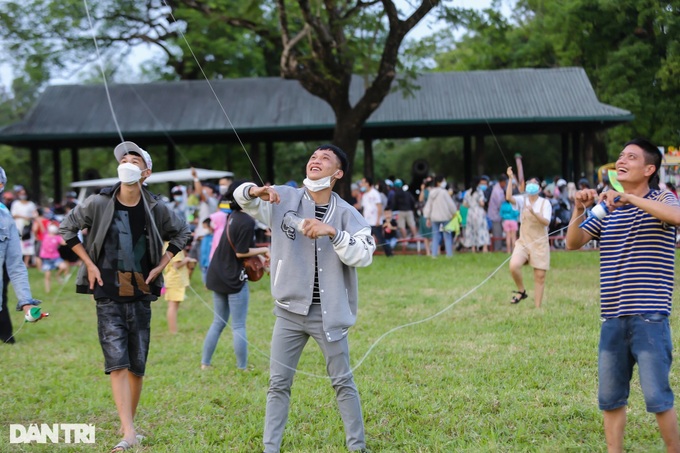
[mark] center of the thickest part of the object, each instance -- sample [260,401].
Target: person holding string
[533,245]
[318,242]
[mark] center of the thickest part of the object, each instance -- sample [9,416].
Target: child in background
[176,275]
[206,246]
[49,254]
[509,216]
[39,227]
[390,229]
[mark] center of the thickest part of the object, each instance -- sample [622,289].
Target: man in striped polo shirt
[637,257]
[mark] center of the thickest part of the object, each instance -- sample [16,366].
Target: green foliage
[469,373]
[628,48]
[445,156]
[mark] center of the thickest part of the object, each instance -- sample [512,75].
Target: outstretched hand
[265,193]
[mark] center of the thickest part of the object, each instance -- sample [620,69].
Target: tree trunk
[346,136]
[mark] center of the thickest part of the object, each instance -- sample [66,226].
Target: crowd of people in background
[399,215]
[478,218]
[41,245]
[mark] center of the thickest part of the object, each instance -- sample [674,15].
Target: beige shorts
[538,256]
[175,294]
[406,218]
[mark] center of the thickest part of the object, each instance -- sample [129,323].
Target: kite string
[103,72]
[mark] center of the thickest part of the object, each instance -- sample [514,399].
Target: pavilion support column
[588,140]
[75,164]
[171,156]
[369,168]
[599,148]
[269,151]
[35,175]
[171,159]
[566,170]
[255,158]
[576,157]
[479,154]
[467,160]
[56,166]
[227,158]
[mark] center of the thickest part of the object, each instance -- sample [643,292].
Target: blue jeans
[625,341]
[436,237]
[224,305]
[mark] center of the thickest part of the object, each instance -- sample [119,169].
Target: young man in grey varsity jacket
[318,241]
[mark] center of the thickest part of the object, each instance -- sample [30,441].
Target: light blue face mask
[532,188]
[482,187]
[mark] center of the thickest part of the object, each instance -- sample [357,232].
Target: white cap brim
[131,147]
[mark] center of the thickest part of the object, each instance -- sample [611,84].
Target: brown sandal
[521,295]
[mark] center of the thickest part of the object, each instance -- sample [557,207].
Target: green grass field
[483,376]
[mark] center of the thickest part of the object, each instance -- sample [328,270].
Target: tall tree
[324,44]
[321,43]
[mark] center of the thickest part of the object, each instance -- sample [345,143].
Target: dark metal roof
[446,104]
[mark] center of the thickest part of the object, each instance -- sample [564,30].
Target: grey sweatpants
[289,338]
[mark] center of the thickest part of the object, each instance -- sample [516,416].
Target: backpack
[26,231]
[487,195]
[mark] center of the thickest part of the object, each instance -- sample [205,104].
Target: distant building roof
[446,104]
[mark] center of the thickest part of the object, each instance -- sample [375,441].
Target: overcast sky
[424,28]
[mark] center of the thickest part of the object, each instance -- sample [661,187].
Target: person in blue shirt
[206,247]
[510,224]
[13,269]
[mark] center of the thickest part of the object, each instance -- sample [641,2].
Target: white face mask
[129,174]
[444,184]
[223,189]
[319,184]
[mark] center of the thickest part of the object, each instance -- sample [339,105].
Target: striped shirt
[637,259]
[319,212]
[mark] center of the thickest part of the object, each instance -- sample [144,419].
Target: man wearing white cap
[123,261]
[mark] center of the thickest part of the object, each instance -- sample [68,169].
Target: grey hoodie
[439,207]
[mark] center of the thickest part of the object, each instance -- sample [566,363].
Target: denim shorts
[627,340]
[124,331]
[51,264]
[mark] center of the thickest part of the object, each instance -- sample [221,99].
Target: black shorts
[124,331]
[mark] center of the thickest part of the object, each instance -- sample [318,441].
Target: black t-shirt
[124,262]
[225,272]
[403,201]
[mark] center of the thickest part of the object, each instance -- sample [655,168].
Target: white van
[178,176]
